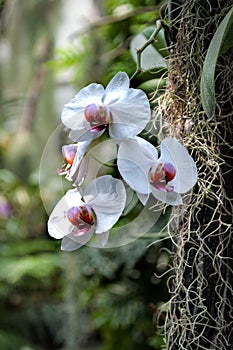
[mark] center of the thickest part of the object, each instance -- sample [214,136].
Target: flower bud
[69,152]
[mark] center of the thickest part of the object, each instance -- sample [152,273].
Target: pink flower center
[170,171]
[82,217]
[69,153]
[161,174]
[97,116]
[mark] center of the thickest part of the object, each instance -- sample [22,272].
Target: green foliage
[119,289]
[29,267]
[14,342]
[92,298]
[106,46]
[220,43]
[79,61]
[119,35]
[65,58]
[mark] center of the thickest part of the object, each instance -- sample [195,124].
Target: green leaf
[152,85]
[155,73]
[220,43]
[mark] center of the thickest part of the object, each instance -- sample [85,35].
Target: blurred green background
[89,299]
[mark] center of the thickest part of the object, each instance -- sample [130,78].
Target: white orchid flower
[78,216]
[125,111]
[166,177]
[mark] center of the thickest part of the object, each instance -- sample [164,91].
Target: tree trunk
[200,314]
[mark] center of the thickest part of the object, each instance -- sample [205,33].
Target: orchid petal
[85,134]
[105,193]
[117,88]
[69,245]
[105,221]
[186,172]
[133,165]
[58,223]
[59,226]
[75,119]
[107,196]
[73,111]
[82,171]
[171,198]
[147,148]
[78,170]
[81,150]
[129,115]
[143,197]
[103,238]
[72,242]
[134,175]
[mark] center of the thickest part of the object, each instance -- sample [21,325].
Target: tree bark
[200,314]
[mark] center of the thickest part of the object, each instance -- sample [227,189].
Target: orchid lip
[98,128]
[97,116]
[170,171]
[82,217]
[160,176]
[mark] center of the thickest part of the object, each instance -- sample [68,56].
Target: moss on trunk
[201,303]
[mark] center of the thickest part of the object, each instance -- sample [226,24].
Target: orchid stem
[103,163]
[140,51]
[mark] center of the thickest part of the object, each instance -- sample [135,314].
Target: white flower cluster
[123,112]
